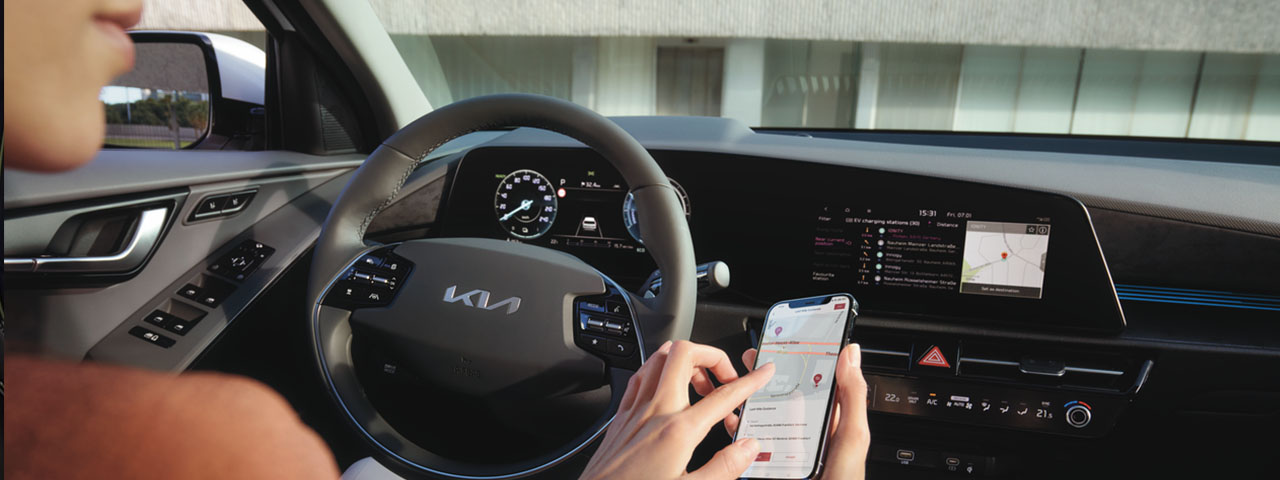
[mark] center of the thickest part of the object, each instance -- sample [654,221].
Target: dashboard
[1037,373]
[983,305]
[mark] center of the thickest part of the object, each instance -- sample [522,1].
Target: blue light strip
[1209,298]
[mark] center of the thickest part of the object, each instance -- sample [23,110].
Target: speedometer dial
[629,210]
[525,204]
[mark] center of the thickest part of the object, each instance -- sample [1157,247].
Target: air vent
[883,352]
[1049,367]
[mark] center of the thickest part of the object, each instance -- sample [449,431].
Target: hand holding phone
[848,436]
[656,428]
[793,414]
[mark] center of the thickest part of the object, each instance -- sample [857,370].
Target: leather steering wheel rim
[376,185]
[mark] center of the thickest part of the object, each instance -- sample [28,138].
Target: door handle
[150,225]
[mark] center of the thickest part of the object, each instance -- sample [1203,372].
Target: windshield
[883,65]
[1138,68]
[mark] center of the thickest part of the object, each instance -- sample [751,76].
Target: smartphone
[790,414]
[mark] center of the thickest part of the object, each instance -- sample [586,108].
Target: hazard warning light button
[934,357]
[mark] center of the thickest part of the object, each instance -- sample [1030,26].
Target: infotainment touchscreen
[931,250]
[919,245]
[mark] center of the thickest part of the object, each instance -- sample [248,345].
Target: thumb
[847,453]
[729,462]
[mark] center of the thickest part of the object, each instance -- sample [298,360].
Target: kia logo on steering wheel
[512,303]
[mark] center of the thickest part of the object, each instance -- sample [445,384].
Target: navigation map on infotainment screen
[1005,259]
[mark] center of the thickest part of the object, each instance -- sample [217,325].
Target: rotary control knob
[1079,414]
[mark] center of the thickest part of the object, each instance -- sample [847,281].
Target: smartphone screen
[789,415]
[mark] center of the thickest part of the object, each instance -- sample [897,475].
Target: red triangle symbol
[934,358]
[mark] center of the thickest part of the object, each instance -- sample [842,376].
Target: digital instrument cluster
[527,204]
[570,202]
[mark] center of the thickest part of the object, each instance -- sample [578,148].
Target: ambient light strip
[1208,298]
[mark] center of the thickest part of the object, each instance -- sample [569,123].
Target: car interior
[463,290]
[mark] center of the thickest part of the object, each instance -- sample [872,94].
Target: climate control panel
[1055,411]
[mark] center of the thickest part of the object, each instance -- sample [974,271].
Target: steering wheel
[485,318]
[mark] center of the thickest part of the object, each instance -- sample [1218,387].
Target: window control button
[160,319]
[191,292]
[152,337]
[179,327]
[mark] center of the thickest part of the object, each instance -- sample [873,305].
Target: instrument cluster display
[574,203]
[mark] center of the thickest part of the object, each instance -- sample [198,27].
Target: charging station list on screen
[786,416]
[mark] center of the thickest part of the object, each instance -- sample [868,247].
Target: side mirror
[187,90]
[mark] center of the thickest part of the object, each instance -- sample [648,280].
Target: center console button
[1078,415]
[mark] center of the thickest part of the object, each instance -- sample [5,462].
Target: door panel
[66,314]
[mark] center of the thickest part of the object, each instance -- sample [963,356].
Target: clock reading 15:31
[525,204]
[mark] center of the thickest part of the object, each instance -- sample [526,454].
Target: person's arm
[73,421]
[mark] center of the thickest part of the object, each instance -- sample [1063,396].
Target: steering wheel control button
[621,349]
[593,324]
[371,261]
[595,344]
[370,282]
[152,337]
[618,308]
[609,315]
[592,306]
[1079,414]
